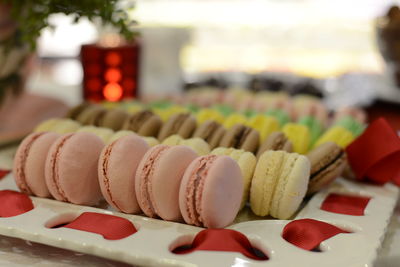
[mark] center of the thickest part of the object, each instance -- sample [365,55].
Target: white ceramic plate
[151,245]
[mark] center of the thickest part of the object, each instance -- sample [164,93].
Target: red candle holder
[110,73]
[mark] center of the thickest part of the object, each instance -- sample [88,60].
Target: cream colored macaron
[279,184]
[197,144]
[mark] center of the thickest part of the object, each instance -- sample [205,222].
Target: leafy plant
[32,16]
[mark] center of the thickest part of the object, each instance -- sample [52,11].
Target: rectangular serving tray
[151,245]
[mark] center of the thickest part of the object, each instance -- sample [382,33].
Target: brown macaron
[91,115]
[182,124]
[275,141]
[144,123]
[327,163]
[241,137]
[74,112]
[211,132]
[113,119]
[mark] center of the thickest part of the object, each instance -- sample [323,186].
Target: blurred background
[233,42]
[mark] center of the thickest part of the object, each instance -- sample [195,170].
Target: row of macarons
[210,134]
[146,123]
[250,103]
[173,183]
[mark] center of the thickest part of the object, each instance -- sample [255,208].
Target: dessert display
[214,167]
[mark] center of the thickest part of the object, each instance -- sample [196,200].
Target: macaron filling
[327,164]
[177,124]
[194,189]
[55,167]
[146,191]
[22,184]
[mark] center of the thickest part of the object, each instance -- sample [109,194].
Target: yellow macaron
[337,134]
[209,114]
[247,163]
[299,135]
[264,124]
[279,184]
[233,119]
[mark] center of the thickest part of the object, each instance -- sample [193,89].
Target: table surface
[17,252]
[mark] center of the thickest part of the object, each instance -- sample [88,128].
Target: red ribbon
[308,233]
[345,204]
[109,226]
[3,173]
[375,155]
[14,203]
[222,240]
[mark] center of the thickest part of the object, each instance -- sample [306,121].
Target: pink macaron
[29,163]
[158,178]
[71,168]
[211,191]
[117,168]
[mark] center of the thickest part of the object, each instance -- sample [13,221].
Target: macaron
[264,124]
[60,126]
[182,124]
[29,162]
[197,144]
[113,119]
[211,132]
[74,112]
[233,119]
[211,191]
[91,114]
[280,115]
[275,141]
[241,137]
[209,114]
[144,123]
[279,184]
[158,179]
[119,134]
[327,163]
[104,133]
[247,163]
[71,168]
[337,134]
[348,122]
[314,126]
[357,114]
[299,135]
[117,167]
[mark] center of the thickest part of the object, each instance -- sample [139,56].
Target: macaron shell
[118,135]
[142,181]
[291,187]
[114,119]
[35,164]
[251,142]
[151,127]
[66,126]
[222,193]
[299,135]
[264,181]
[197,144]
[46,125]
[166,181]
[117,168]
[71,168]
[104,133]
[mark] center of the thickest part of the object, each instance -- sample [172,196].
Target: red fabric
[222,240]
[14,203]
[345,204]
[3,173]
[308,233]
[109,226]
[375,155]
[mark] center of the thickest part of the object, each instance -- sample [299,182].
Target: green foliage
[33,16]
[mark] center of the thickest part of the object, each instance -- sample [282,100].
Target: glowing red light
[93,84]
[112,92]
[92,69]
[113,59]
[128,84]
[113,75]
